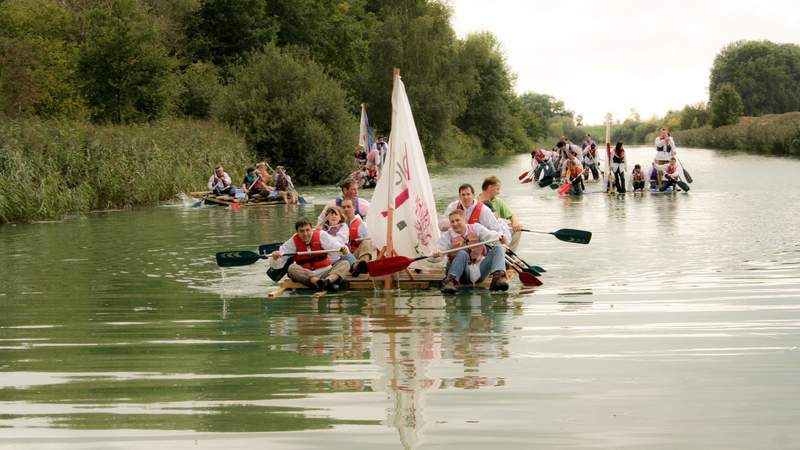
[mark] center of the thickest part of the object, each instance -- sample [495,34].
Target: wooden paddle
[525,276]
[524,175]
[388,266]
[567,235]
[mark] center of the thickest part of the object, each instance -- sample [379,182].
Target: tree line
[288,75]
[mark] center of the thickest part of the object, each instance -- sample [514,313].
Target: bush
[726,106]
[291,113]
[50,168]
[772,134]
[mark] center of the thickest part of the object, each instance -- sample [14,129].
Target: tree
[200,87]
[225,31]
[726,106]
[291,113]
[694,116]
[122,66]
[766,75]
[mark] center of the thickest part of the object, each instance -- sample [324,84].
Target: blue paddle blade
[301,200]
[266,249]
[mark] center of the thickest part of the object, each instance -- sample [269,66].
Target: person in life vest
[637,178]
[474,210]
[335,226]
[285,187]
[588,142]
[253,186]
[220,182]
[490,191]
[671,176]
[474,264]
[357,238]
[590,162]
[573,175]
[665,148]
[618,167]
[350,191]
[264,189]
[542,163]
[315,270]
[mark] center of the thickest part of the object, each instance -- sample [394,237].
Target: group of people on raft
[340,243]
[570,164]
[260,183]
[369,163]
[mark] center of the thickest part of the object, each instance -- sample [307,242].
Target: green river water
[677,327]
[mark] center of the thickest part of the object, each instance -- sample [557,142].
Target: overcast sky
[614,55]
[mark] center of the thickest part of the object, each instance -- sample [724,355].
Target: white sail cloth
[405,186]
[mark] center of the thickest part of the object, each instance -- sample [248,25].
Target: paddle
[202,200]
[525,275]
[554,186]
[567,235]
[519,259]
[388,266]
[685,172]
[524,175]
[245,257]
[682,185]
[527,180]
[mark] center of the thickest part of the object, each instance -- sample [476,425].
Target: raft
[226,200]
[414,279]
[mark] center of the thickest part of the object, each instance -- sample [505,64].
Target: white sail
[405,186]
[365,132]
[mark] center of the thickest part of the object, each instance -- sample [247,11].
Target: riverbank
[51,168]
[774,134]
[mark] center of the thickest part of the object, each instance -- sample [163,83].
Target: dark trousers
[619,181]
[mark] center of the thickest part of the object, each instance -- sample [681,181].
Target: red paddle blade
[527,180]
[387,266]
[564,189]
[523,175]
[529,280]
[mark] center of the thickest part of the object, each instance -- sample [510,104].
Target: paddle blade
[266,249]
[523,175]
[234,259]
[687,176]
[276,274]
[301,200]
[539,269]
[387,266]
[529,280]
[564,189]
[527,180]
[575,236]
[554,186]
[682,185]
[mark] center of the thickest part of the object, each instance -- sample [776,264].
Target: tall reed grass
[776,134]
[51,168]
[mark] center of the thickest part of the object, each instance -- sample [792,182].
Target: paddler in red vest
[359,243]
[315,271]
[474,211]
[349,191]
[473,264]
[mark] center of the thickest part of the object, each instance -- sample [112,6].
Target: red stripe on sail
[400,199]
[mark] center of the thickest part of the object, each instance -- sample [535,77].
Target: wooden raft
[425,279]
[226,200]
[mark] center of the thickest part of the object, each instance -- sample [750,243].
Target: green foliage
[766,75]
[50,168]
[122,66]
[200,87]
[694,116]
[291,113]
[226,31]
[726,106]
[488,114]
[771,134]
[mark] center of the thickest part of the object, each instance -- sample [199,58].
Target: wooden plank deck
[226,200]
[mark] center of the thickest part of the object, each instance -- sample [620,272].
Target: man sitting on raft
[349,191]
[316,270]
[474,264]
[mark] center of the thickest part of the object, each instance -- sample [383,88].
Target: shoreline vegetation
[773,134]
[51,168]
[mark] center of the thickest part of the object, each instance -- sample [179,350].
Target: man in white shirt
[474,264]
[349,191]
[220,183]
[474,211]
[312,270]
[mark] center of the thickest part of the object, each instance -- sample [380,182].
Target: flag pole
[389,249]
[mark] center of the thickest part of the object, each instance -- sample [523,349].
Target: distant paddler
[474,264]
[316,270]
[358,240]
[349,191]
[490,191]
[665,148]
[618,168]
[220,182]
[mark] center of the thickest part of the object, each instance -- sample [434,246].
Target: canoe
[226,200]
[415,279]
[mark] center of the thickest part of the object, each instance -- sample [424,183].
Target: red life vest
[310,262]
[470,237]
[476,213]
[354,242]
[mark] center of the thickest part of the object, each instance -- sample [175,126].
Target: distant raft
[227,200]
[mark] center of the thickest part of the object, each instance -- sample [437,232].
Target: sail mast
[390,192]
[608,153]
